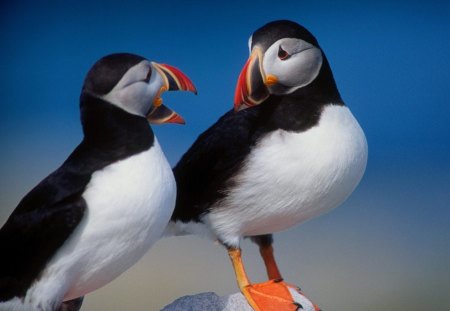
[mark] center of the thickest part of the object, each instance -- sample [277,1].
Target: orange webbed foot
[273,295]
[276,295]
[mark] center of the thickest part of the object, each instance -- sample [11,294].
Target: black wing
[205,170]
[41,223]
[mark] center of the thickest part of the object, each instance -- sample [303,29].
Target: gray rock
[236,302]
[209,302]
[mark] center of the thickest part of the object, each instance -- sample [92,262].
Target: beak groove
[251,88]
[175,79]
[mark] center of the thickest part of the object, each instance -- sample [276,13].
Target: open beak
[173,80]
[251,88]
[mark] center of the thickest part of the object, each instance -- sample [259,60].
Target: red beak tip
[192,89]
[177,119]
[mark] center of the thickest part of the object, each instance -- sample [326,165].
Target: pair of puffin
[295,153]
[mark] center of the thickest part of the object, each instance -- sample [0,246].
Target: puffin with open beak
[291,150]
[99,213]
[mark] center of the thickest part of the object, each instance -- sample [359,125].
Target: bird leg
[238,266]
[273,295]
[264,243]
[266,252]
[268,257]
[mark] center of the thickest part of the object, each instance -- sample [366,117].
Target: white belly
[292,177]
[129,205]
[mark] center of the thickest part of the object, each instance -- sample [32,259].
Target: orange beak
[251,88]
[174,80]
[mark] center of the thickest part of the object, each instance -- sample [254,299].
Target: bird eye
[282,54]
[149,74]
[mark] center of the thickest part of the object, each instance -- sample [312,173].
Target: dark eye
[282,54]
[149,74]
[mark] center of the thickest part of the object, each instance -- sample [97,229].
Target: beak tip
[176,118]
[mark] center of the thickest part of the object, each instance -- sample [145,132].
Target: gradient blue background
[386,248]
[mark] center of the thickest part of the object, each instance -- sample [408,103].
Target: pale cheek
[137,98]
[301,70]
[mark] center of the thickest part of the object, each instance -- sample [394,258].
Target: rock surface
[209,302]
[235,302]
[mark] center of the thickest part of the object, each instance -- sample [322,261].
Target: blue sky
[392,66]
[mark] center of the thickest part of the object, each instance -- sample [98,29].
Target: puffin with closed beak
[290,151]
[99,213]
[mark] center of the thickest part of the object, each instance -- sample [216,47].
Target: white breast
[291,177]
[129,205]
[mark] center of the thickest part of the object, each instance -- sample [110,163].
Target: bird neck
[110,128]
[322,89]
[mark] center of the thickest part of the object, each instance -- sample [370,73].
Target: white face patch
[133,93]
[297,70]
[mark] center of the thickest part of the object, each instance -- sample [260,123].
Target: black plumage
[204,171]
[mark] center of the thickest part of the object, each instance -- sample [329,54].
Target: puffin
[289,151]
[103,208]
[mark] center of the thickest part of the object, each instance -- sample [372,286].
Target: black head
[108,71]
[271,32]
[285,60]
